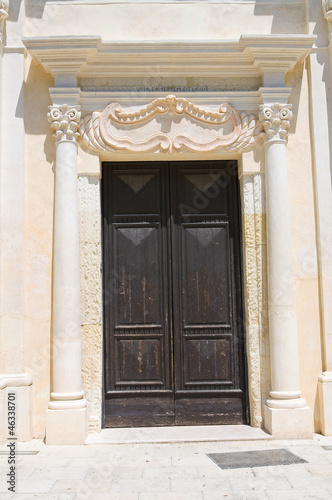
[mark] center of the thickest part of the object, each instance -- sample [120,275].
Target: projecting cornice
[91,57]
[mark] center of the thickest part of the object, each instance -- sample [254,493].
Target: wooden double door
[174,349]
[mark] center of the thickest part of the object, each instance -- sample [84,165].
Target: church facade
[166,216]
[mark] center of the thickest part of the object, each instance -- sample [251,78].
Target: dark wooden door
[173,312]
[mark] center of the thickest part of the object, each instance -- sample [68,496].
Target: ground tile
[170,472]
[253,484]
[43,496]
[55,473]
[313,482]
[25,471]
[109,496]
[320,470]
[202,484]
[191,460]
[161,495]
[30,486]
[310,454]
[217,472]
[56,460]
[140,485]
[79,486]
[236,495]
[282,470]
[299,495]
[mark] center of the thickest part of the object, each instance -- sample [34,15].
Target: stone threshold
[177,434]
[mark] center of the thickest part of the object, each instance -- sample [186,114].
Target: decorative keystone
[275,119]
[64,121]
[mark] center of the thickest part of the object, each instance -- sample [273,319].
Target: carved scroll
[169,124]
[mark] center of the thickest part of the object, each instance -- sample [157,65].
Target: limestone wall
[163,20]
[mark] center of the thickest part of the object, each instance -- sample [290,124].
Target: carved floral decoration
[115,129]
[275,119]
[64,121]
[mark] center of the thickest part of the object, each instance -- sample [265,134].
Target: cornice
[91,57]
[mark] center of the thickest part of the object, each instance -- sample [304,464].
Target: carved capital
[275,119]
[327,11]
[4,7]
[64,121]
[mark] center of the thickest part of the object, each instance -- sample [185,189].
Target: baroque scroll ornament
[117,130]
[275,119]
[64,121]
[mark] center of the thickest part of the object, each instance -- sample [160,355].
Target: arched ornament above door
[169,124]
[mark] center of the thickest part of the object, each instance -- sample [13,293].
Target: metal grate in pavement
[257,458]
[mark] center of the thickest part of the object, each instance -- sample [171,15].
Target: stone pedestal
[325,402]
[292,423]
[21,386]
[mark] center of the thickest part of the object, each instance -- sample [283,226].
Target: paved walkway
[175,471]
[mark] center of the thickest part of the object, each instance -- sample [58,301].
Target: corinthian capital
[327,11]
[4,6]
[64,121]
[275,119]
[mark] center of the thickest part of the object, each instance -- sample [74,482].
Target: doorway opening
[174,339]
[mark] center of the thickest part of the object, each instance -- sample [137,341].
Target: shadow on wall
[286,18]
[294,21]
[36,102]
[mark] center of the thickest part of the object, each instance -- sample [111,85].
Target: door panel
[172,283]
[138,371]
[207,354]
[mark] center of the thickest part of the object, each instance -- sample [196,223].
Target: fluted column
[66,416]
[285,392]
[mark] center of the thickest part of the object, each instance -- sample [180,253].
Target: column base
[296,423]
[66,426]
[23,413]
[325,403]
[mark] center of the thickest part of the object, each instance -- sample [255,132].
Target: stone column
[286,413]
[66,421]
[320,62]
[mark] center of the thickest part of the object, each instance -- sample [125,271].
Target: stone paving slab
[174,471]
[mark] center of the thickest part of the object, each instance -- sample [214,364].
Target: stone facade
[82,83]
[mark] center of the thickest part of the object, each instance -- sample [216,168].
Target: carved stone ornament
[327,5]
[4,7]
[327,10]
[64,121]
[169,124]
[275,119]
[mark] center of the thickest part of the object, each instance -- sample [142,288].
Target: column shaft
[66,277]
[281,284]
